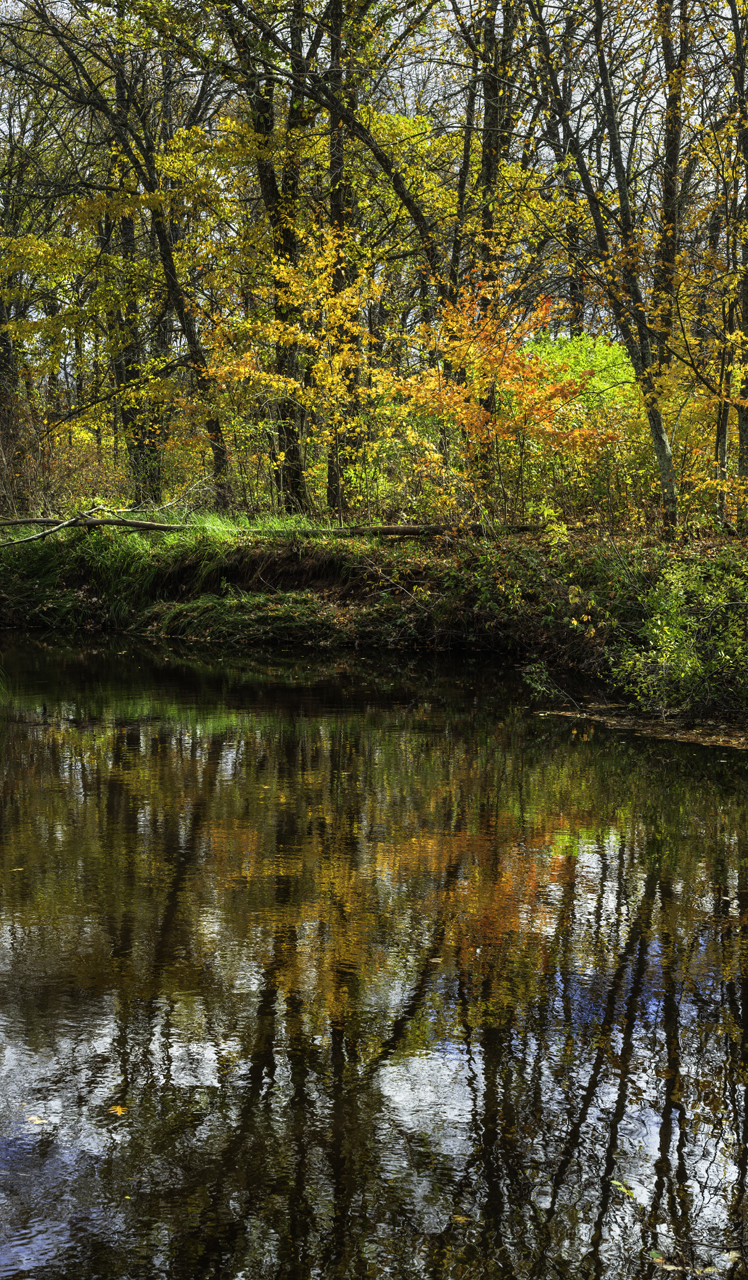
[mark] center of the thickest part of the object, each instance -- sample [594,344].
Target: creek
[356,969]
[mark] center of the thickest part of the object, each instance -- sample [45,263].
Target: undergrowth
[664,627]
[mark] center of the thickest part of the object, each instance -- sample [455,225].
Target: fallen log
[341,531]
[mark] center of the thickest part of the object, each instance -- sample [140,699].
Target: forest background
[376,260]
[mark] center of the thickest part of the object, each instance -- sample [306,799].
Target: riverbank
[662,627]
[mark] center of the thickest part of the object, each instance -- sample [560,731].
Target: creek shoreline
[656,627]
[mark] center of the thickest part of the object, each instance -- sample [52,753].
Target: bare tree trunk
[280,199]
[667,249]
[142,448]
[740,82]
[198,358]
[743,399]
[339,446]
[11,442]
[619,263]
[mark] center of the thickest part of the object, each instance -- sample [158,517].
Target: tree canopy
[368,259]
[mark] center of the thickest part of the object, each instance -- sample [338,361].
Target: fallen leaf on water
[118,1111]
[35,1120]
[628,1192]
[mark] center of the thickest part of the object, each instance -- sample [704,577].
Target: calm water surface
[359,973]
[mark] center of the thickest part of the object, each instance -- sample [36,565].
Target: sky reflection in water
[352,971]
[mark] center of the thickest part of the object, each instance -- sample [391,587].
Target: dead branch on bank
[89,522]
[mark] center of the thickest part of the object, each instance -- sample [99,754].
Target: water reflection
[356,973]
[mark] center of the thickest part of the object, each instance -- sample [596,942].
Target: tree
[623,131]
[106,65]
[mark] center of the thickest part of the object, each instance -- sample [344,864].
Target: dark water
[362,973]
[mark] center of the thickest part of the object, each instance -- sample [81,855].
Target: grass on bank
[665,626]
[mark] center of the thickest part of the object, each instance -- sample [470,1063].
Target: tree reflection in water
[314,975]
